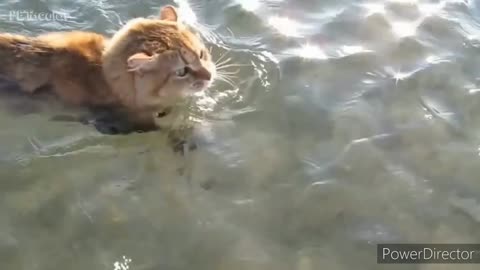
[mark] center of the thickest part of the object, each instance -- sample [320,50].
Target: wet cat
[144,69]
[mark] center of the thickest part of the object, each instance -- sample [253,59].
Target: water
[349,123]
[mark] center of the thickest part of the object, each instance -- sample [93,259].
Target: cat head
[158,61]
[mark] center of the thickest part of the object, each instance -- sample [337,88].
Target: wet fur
[88,69]
[69,63]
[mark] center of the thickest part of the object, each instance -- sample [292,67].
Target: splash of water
[122,265]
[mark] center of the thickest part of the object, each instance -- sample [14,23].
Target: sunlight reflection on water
[337,125]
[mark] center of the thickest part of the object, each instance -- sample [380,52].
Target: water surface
[347,123]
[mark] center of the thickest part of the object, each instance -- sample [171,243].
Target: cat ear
[141,63]
[169,13]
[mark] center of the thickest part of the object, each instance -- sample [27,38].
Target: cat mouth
[201,86]
[163,113]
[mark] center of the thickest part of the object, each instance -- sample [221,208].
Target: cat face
[181,70]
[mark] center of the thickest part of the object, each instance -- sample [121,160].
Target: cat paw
[183,146]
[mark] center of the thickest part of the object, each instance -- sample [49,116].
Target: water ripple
[347,122]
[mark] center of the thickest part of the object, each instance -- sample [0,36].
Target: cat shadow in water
[109,121]
[106,120]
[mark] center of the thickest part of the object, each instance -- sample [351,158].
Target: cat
[143,70]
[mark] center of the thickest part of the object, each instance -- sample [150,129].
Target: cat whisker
[221,67]
[227,80]
[225,77]
[235,72]
[223,62]
[221,57]
[229,83]
[228,74]
[237,65]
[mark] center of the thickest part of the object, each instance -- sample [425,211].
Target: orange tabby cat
[147,66]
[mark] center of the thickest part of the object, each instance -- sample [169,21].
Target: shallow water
[349,123]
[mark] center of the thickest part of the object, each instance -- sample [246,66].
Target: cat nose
[204,74]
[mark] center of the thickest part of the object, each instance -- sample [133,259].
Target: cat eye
[204,54]
[182,72]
